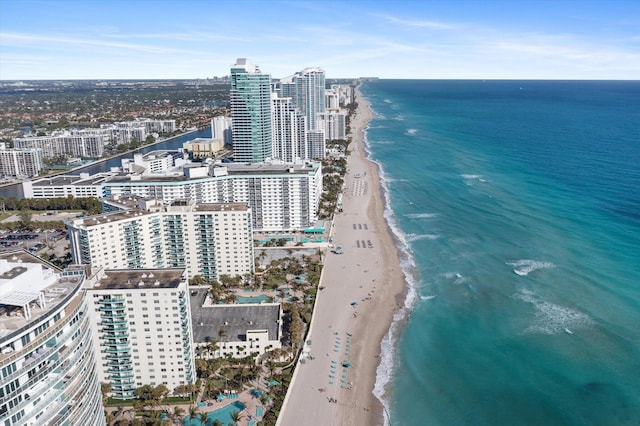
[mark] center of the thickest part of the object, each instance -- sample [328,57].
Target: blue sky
[136,39]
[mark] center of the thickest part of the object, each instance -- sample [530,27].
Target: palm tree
[193,412]
[217,422]
[236,416]
[204,418]
[179,413]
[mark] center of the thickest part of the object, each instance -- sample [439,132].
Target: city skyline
[196,39]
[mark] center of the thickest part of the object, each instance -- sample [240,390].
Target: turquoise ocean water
[516,205]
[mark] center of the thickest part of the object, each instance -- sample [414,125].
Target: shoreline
[364,289]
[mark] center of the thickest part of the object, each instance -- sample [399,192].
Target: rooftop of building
[57,287]
[134,210]
[139,279]
[235,320]
[78,180]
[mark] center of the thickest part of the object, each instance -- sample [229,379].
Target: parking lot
[37,242]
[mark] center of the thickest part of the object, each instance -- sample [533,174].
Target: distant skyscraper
[307,91]
[250,112]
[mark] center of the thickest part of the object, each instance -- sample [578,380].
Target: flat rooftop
[12,317]
[135,212]
[75,180]
[139,279]
[235,320]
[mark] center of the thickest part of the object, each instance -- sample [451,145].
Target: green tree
[179,413]
[193,413]
[25,219]
[236,416]
[204,418]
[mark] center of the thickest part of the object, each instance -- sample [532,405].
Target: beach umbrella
[354,303]
[220,396]
[346,365]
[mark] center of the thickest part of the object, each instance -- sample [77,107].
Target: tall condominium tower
[250,112]
[48,370]
[288,130]
[307,91]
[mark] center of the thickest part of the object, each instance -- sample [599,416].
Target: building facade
[65,144]
[250,112]
[206,239]
[221,129]
[334,124]
[47,361]
[141,325]
[288,127]
[20,163]
[282,197]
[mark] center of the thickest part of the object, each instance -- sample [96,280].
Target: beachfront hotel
[208,239]
[237,330]
[141,327]
[250,112]
[47,362]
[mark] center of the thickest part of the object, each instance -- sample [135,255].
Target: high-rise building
[250,112]
[47,364]
[206,239]
[334,124]
[307,91]
[141,325]
[221,129]
[288,130]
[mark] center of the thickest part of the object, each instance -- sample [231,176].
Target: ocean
[516,208]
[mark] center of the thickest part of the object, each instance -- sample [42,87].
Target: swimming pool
[223,414]
[254,299]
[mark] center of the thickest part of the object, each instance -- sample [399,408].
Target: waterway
[172,143]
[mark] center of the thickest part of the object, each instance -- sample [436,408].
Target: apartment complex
[20,163]
[47,362]
[65,144]
[141,326]
[282,197]
[206,239]
[90,143]
[250,112]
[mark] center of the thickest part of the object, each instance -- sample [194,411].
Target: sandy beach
[363,288]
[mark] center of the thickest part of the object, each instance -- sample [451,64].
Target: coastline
[364,289]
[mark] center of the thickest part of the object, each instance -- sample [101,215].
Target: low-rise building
[238,330]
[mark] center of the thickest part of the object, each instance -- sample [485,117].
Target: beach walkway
[363,288]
